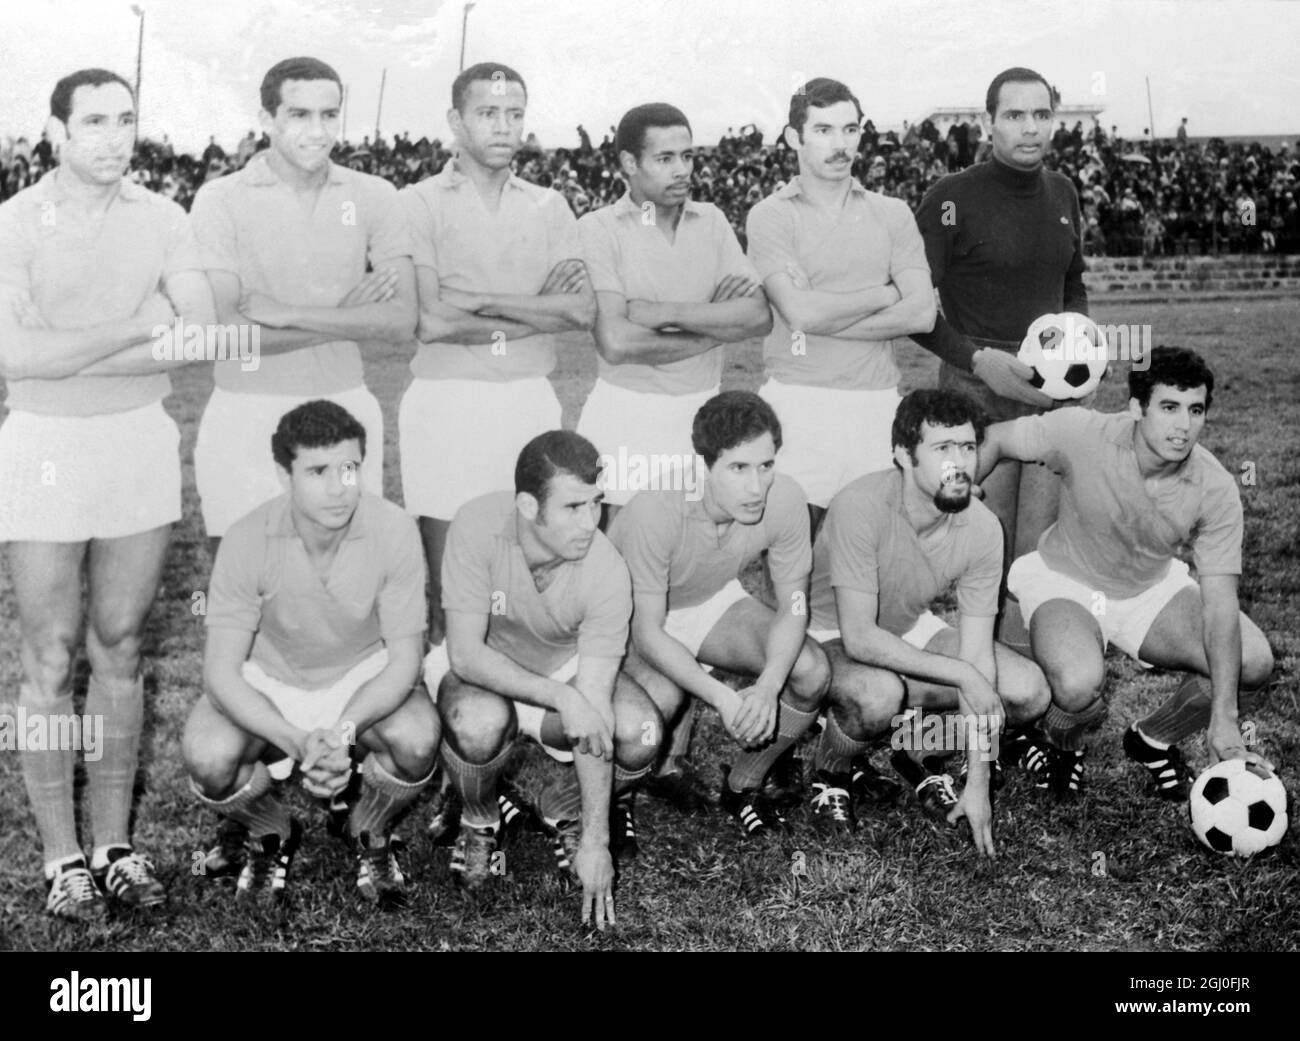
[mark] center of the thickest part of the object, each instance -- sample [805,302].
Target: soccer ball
[1238,808]
[1068,354]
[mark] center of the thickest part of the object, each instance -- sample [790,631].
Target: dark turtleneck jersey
[1004,247]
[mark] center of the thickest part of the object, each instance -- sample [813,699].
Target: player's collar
[51,188]
[795,188]
[451,176]
[258,171]
[625,207]
[1125,435]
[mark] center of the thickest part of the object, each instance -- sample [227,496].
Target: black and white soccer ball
[1238,808]
[1068,354]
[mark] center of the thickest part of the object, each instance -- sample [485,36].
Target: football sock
[1185,712]
[383,797]
[111,776]
[751,767]
[477,784]
[99,859]
[679,738]
[562,798]
[52,866]
[1066,730]
[835,750]
[624,778]
[254,805]
[48,776]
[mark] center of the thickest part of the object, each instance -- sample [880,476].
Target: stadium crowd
[1138,198]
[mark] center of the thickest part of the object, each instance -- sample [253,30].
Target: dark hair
[555,452]
[484,70]
[818,93]
[314,424]
[1016,75]
[1175,367]
[939,408]
[630,135]
[293,69]
[61,98]
[729,419]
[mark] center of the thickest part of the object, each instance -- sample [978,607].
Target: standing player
[672,286]
[315,633]
[286,242]
[1004,241]
[1137,489]
[685,554]
[846,271]
[893,541]
[537,602]
[499,275]
[91,266]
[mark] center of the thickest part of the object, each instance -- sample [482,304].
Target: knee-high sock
[561,800]
[679,738]
[111,776]
[383,797]
[254,805]
[1185,712]
[477,784]
[1067,729]
[752,767]
[835,750]
[48,776]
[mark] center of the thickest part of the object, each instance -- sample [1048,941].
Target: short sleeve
[644,533]
[606,619]
[419,224]
[15,249]
[789,556]
[466,565]
[907,246]
[600,253]
[234,590]
[182,249]
[214,228]
[401,601]
[979,583]
[390,232]
[731,258]
[770,233]
[851,545]
[1052,437]
[563,241]
[1216,539]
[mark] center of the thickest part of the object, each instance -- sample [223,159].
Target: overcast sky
[1230,67]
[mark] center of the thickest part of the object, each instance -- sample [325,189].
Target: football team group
[585,588]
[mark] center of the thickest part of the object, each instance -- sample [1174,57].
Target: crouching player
[892,542]
[537,603]
[315,624]
[1137,489]
[685,550]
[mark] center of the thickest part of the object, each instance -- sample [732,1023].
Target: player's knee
[873,703]
[810,678]
[478,723]
[1028,700]
[1077,687]
[51,657]
[210,762]
[1256,661]
[412,741]
[113,647]
[638,733]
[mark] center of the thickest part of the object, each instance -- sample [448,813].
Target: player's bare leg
[675,781]
[402,748]
[1068,645]
[1037,504]
[738,643]
[1176,640]
[47,588]
[228,776]
[433,533]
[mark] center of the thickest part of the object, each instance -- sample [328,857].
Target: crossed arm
[30,348]
[655,332]
[900,308]
[565,302]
